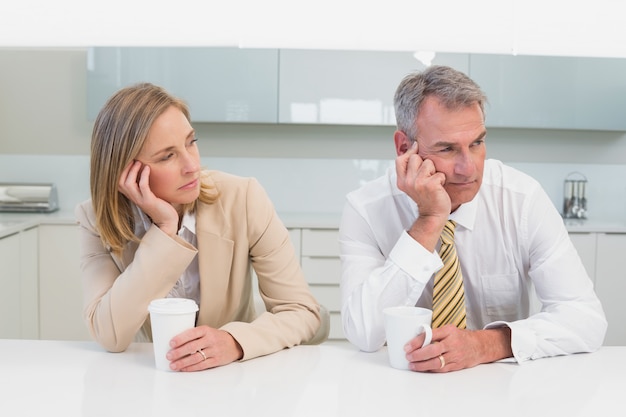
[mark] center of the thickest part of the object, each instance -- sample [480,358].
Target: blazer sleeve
[116,293]
[293,314]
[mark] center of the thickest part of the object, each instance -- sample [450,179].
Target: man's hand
[419,179]
[453,349]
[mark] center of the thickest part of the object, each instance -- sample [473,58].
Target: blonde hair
[119,133]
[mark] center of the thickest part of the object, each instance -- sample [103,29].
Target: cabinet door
[29,283]
[60,290]
[552,92]
[19,318]
[10,284]
[611,285]
[346,87]
[218,84]
[322,269]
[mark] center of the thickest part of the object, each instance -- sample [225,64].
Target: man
[509,238]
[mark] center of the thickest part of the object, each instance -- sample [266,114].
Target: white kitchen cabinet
[218,84]
[18,280]
[10,282]
[60,288]
[322,269]
[29,283]
[611,284]
[346,87]
[552,92]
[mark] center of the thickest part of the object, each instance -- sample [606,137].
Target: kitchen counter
[11,223]
[42,377]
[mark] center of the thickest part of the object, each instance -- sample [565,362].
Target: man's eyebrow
[446,144]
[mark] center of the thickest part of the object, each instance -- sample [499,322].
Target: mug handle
[428,337]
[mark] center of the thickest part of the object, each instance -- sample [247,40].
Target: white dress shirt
[511,241]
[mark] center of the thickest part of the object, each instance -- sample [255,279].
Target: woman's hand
[134,183]
[201,348]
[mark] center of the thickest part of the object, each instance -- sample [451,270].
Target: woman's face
[171,153]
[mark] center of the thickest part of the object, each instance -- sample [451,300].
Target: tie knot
[447,235]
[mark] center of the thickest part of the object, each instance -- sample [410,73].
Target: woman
[157,225]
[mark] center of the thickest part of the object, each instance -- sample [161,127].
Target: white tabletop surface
[50,378]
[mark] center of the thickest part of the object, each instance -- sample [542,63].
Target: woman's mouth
[190,185]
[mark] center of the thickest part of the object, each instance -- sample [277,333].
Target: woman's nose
[191,162]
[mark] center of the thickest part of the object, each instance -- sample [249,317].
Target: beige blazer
[241,229]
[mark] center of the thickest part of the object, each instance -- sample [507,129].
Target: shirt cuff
[414,259]
[523,341]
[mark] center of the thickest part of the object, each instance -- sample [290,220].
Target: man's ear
[402,142]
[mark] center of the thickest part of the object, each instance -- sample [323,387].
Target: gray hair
[452,87]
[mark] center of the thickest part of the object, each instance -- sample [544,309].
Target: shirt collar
[143,222]
[189,222]
[465,215]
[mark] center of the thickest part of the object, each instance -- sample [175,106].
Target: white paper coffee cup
[401,325]
[169,317]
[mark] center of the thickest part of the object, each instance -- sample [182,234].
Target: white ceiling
[525,27]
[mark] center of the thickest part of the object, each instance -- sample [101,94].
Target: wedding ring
[204,356]
[441,359]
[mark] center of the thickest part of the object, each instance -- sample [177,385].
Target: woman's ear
[402,142]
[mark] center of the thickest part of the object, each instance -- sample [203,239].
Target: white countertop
[333,379]
[14,222]
[11,223]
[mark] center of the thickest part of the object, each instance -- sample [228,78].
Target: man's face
[454,140]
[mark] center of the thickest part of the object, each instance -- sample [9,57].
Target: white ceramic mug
[402,324]
[169,317]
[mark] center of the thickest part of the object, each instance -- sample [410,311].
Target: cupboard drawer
[322,270]
[336,329]
[328,295]
[320,242]
[295,237]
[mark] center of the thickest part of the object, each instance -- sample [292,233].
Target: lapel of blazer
[215,255]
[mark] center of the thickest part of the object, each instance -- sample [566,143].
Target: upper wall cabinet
[218,84]
[552,92]
[346,87]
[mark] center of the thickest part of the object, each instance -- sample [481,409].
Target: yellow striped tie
[448,292]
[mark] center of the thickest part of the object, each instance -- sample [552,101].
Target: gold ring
[441,359]
[204,356]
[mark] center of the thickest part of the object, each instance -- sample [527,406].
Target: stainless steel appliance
[575,196]
[28,197]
